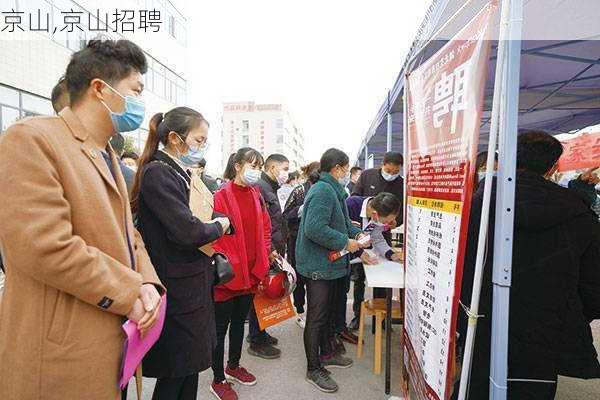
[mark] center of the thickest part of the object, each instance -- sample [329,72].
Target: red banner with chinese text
[580,153]
[444,105]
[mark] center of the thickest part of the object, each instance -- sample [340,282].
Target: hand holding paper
[136,346]
[368,259]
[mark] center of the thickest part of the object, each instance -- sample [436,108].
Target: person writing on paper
[76,268]
[373,215]
[248,250]
[173,235]
[324,228]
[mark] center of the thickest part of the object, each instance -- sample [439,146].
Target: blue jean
[257,336]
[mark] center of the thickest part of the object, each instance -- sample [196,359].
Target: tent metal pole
[485,211]
[389,125]
[505,202]
[366,155]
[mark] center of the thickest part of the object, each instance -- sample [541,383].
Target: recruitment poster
[444,104]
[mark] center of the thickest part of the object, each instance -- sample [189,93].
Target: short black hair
[385,204]
[393,157]
[130,154]
[293,176]
[60,96]
[354,170]
[275,158]
[537,151]
[333,157]
[109,60]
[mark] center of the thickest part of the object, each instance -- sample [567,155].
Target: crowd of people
[99,235]
[92,235]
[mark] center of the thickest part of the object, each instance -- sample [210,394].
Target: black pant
[229,314]
[300,290]
[320,319]
[185,388]
[359,288]
[341,300]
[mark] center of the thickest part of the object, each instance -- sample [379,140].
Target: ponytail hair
[181,120]
[311,171]
[242,156]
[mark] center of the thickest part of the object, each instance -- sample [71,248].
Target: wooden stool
[375,307]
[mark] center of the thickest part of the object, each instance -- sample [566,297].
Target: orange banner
[271,312]
[580,153]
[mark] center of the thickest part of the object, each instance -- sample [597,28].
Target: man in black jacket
[555,291]
[276,173]
[387,178]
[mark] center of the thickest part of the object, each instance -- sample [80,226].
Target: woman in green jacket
[325,227]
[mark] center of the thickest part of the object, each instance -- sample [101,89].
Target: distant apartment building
[268,128]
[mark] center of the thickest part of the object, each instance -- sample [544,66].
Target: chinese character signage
[580,153]
[101,21]
[444,105]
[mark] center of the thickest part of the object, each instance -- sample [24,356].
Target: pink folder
[135,348]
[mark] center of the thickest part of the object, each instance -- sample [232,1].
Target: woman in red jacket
[248,251]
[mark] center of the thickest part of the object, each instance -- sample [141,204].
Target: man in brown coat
[76,268]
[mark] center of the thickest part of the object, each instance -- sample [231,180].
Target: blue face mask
[193,156]
[132,116]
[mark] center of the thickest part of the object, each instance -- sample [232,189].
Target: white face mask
[389,177]
[344,180]
[283,176]
[251,176]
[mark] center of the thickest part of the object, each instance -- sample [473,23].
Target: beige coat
[64,224]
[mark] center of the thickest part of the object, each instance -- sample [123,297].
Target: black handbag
[223,269]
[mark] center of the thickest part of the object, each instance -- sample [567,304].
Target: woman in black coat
[172,235]
[291,213]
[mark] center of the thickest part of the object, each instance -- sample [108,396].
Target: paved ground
[284,378]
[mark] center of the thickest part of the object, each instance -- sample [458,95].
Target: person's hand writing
[368,259]
[352,246]
[397,256]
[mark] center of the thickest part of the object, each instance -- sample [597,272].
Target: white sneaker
[300,321]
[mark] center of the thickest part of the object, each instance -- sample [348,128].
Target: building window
[245,140]
[16,104]
[8,116]
[245,126]
[279,123]
[279,139]
[9,96]
[35,105]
